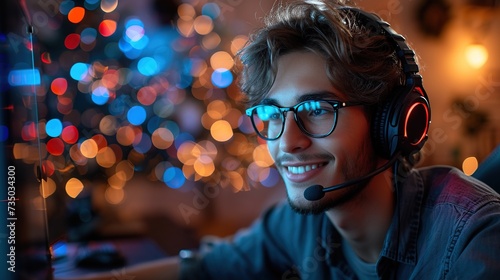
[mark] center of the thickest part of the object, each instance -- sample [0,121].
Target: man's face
[304,161]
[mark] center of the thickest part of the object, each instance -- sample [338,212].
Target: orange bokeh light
[76,14]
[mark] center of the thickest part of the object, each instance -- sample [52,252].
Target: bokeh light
[136,115]
[74,187]
[211,10]
[54,127]
[221,59]
[119,95]
[72,41]
[221,131]
[88,35]
[55,146]
[89,148]
[107,27]
[203,25]
[79,71]
[222,78]
[109,6]
[76,14]
[174,178]
[186,11]
[59,86]
[70,134]
[4,133]
[114,196]
[47,188]
[470,165]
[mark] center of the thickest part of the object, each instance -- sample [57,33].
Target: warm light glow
[221,59]
[59,86]
[125,170]
[237,182]
[47,188]
[204,166]
[237,43]
[125,135]
[107,27]
[162,138]
[221,131]
[117,181]
[186,11]
[146,95]
[262,157]
[109,6]
[211,41]
[106,157]
[114,196]
[203,25]
[76,14]
[469,166]
[476,55]
[185,27]
[74,187]
[89,148]
[216,109]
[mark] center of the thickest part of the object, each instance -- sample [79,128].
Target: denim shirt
[448,227]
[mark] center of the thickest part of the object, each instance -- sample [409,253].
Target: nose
[293,139]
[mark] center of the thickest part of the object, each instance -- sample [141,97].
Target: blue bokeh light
[24,77]
[100,95]
[54,127]
[79,71]
[88,35]
[4,133]
[211,10]
[144,145]
[174,178]
[181,138]
[222,78]
[136,115]
[147,66]
[66,6]
[133,21]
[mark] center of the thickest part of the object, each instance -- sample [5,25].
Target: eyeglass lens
[316,118]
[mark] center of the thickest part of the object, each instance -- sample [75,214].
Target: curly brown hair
[360,63]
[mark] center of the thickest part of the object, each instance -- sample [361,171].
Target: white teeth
[301,169]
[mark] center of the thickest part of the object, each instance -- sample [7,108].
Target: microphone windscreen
[314,192]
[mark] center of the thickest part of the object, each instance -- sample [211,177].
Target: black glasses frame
[335,104]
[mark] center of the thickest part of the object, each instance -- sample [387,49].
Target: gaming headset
[401,123]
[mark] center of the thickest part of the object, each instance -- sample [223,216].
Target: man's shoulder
[449,185]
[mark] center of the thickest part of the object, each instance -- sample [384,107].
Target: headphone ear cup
[379,124]
[401,123]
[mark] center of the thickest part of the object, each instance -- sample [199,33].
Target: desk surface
[135,251]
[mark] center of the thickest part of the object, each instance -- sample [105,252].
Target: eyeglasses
[316,118]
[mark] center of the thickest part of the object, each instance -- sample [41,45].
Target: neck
[364,220]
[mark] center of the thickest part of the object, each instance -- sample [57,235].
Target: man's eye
[275,116]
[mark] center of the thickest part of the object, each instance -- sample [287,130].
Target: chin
[305,207]
[331,200]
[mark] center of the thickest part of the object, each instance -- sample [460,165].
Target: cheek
[272,148]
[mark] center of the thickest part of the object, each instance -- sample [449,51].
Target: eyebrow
[325,94]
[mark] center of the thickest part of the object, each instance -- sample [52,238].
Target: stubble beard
[351,171]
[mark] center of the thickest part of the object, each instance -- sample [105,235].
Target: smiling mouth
[297,170]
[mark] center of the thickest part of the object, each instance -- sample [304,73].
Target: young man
[337,95]
[328,85]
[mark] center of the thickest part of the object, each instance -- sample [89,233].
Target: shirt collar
[400,244]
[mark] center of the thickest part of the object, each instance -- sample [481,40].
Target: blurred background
[123,118]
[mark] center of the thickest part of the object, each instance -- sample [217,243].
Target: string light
[125,95]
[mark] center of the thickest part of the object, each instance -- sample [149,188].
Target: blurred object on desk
[133,250]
